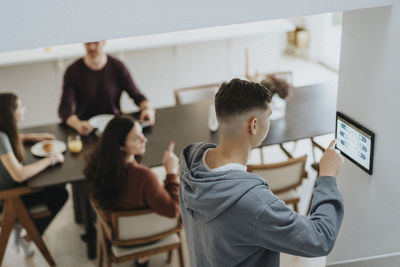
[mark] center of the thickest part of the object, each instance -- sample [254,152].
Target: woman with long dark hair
[13,172]
[118,182]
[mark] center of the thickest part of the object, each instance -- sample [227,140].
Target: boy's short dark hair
[240,96]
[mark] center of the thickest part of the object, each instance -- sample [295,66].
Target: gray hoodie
[231,218]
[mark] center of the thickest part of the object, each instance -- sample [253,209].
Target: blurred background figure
[93,85]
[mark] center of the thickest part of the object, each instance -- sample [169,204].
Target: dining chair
[135,234]
[283,178]
[14,211]
[195,93]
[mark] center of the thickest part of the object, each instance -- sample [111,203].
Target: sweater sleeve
[163,200]
[278,228]
[68,101]
[129,85]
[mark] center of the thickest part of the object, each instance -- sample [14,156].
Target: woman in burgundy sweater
[118,182]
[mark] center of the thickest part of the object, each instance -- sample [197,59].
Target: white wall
[30,24]
[369,92]
[157,72]
[38,85]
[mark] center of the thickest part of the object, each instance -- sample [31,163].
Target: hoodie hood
[206,194]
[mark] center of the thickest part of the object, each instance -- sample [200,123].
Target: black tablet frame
[362,128]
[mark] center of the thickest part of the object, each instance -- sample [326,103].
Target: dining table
[310,112]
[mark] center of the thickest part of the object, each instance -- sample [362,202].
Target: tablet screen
[355,142]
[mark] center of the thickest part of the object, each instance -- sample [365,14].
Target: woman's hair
[106,168]
[8,124]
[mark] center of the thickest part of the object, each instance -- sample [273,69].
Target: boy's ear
[252,125]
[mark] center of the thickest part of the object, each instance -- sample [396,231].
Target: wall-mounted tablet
[355,142]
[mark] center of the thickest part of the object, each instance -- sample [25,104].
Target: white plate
[59,147]
[145,124]
[100,121]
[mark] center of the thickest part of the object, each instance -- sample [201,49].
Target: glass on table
[75,144]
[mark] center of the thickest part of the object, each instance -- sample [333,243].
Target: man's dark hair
[240,96]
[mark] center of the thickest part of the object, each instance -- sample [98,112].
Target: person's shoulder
[114,62]
[137,167]
[261,194]
[76,63]
[5,145]
[195,151]
[200,145]
[253,203]
[140,171]
[3,136]
[75,66]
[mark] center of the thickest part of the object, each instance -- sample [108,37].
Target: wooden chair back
[128,228]
[195,93]
[283,176]
[149,227]
[133,227]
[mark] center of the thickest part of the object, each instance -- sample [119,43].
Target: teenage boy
[230,216]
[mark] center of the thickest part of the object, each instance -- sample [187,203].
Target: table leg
[77,200]
[90,230]
[89,218]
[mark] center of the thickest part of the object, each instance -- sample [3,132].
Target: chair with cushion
[14,211]
[283,178]
[195,93]
[135,234]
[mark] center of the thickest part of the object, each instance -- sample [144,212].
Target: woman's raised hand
[170,160]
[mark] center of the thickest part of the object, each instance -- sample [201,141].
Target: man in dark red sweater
[93,85]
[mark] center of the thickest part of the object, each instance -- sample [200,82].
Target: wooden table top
[310,112]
